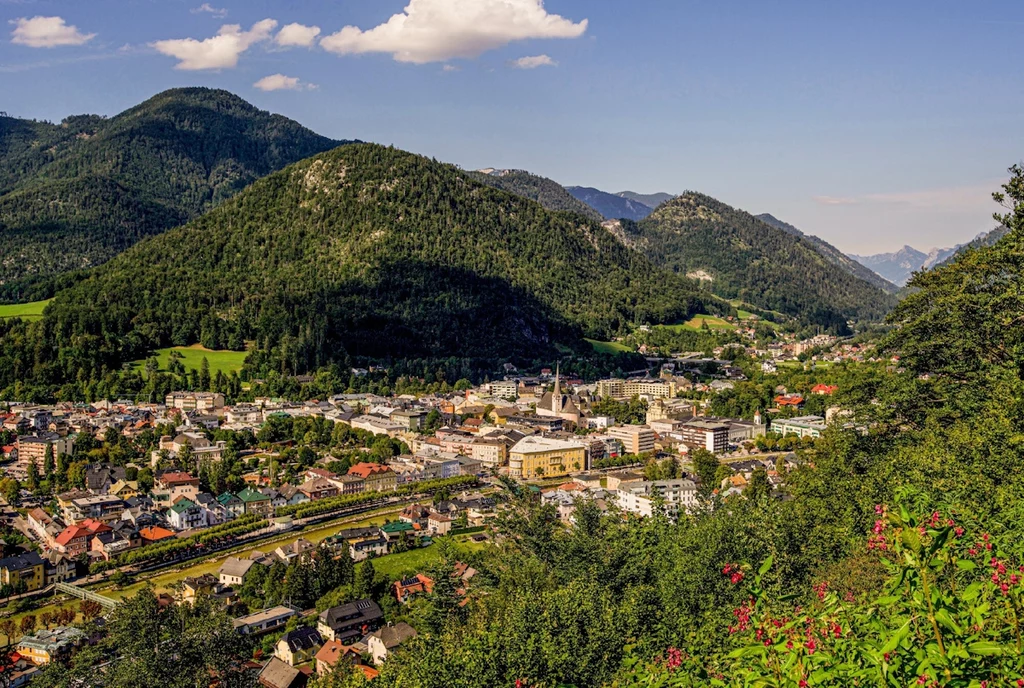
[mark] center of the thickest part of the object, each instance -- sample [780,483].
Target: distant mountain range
[611,206]
[898,267]
[547,192]
[650,200]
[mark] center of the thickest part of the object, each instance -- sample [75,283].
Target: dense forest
[547,192]
[75,194]
[744,258]
[832,254]
[360,251]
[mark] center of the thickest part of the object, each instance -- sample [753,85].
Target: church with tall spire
[558,405]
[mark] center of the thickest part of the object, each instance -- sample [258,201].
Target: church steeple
[556,395]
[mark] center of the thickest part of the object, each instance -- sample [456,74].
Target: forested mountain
[363,249]
[650,200]
[74,194]
[834,255]
[742,257]
[611,206]
[547,192]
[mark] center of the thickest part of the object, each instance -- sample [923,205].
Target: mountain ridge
[749,259]
[833,254]
[366,251]
[610,206]
[83,190]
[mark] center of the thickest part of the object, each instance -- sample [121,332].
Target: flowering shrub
[952,618]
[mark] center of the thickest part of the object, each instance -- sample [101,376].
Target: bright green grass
[25,311]
[743,315]
[225,361]
[609,347]
[418,560]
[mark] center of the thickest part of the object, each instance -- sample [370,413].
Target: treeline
[408,259]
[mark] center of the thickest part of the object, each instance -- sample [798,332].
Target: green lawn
[226,361]
[609,347]
[25,311]
[418,560]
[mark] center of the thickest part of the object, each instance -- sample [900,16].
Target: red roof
[71,533]
[177,477]
[364,470]
[154,533]
[369,672]
[794,400]
[824,389]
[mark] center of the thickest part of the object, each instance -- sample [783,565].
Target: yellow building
[535,457]
[125,489]
[22,570]
[376,477]
[45,646]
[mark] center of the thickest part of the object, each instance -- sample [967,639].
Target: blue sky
[872,123]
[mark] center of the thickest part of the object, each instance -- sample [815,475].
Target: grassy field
[609,347]
[417,560]
[25,311]
[226,361]
[697,321]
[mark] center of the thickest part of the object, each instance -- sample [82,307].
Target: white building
[640,497]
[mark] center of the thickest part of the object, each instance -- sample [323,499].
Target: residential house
[256,502]
[318,488]
[43,525]
[278,674]
[293,551]
[383,641]
[58,568]
[348,622]
[375,545]
[169,486]
[409,588]
[151,534]
[292,496]
[99,507]
[266,620]
[45,645]
[124,489]
[25,572]
[438,524]
[195,586]
[186,515]
[234,570]
[298,646]
[233,506]
[333,652]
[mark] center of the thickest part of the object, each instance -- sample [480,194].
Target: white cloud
[280,82]
[835,200]
[534,62]
[218,12]
[292,35]
[450,68]
[219,52]
[47,32]
[949,198]
[439,30]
